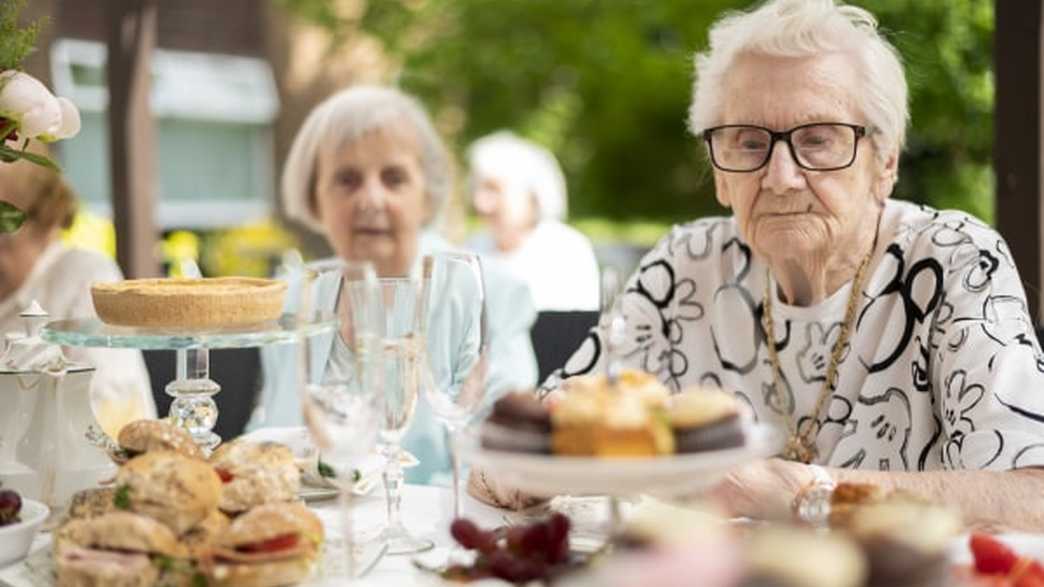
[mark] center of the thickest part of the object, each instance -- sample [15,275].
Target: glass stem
[393,487]
[344,495]
[615,516]
[451,439]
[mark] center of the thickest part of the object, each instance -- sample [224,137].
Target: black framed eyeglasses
[819,146]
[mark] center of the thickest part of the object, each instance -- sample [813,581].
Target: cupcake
[905,541]
[705,419]
[519,423]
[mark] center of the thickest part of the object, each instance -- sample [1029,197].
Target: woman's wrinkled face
[502,204]
[371,198]
[782,207]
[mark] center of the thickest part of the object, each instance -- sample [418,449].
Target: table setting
[615,466]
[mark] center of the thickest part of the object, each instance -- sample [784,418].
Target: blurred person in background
[35,265]
[519,191]
[368,171]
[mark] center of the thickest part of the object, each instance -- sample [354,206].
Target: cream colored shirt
[60,282]
[943,369]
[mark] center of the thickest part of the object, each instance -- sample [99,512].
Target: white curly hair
[342,119]
[801,28]
[526,165]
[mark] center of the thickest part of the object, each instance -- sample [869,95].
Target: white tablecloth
[427,511]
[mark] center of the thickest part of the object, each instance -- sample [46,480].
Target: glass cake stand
[192,389]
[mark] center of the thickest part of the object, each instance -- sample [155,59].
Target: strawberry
[992,557]
[1032,575]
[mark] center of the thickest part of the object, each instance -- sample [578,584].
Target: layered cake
[847,498]
[519,423]
[628,419]
[189,303]
[905,541]
[705,419]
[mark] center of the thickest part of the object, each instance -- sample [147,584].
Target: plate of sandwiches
[170,517]
[321,477]
[625,438]
[260,460]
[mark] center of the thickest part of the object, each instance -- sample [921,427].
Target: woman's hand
[487,489]
[762,490]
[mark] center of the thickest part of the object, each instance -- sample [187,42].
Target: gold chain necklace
[801,446]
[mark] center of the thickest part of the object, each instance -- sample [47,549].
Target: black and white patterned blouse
[942,371]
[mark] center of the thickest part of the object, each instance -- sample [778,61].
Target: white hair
[528,167]
[801,28]
[342,119]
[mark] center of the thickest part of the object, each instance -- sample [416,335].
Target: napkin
[316,472]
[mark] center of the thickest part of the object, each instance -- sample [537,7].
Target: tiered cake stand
[193,390]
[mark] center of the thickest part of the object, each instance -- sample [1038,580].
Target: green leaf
[326,471]
[121,499]
[164,563]
[11,218]
[10,155]
[199,580]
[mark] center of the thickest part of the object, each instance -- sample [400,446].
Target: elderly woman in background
[889,341]
[519,191]
[35,265]
[369,172]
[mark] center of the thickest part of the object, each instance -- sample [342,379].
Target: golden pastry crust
[176,490]
[119,531]
[257,473]
[91,503]
[142,436]
[273,520]
[201,538]
[189,303]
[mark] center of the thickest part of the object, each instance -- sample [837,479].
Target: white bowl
[15,539]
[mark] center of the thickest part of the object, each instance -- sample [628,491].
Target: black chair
[237,371]
[556,335]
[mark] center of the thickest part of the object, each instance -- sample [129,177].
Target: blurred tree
[606,84]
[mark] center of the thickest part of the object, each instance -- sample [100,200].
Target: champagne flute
[457,346]
[613,325]
[400,357]
[339,378]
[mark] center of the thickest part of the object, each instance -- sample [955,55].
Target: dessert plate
[668,476]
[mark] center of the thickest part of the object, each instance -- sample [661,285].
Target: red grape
[10,506]
[514,538]
[470,536]
[558,537]
[465,532]
[535,541]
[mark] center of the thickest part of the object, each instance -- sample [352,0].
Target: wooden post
[131,38]
[1018,136]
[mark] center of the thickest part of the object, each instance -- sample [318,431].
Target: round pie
[189,303]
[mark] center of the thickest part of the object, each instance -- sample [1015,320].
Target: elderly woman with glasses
[368,171]
[890,343]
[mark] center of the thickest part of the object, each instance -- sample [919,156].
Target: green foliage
[121,498]
[11,218]
[16,42]
[606,84]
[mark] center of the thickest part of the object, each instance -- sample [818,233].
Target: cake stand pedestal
[193,390]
